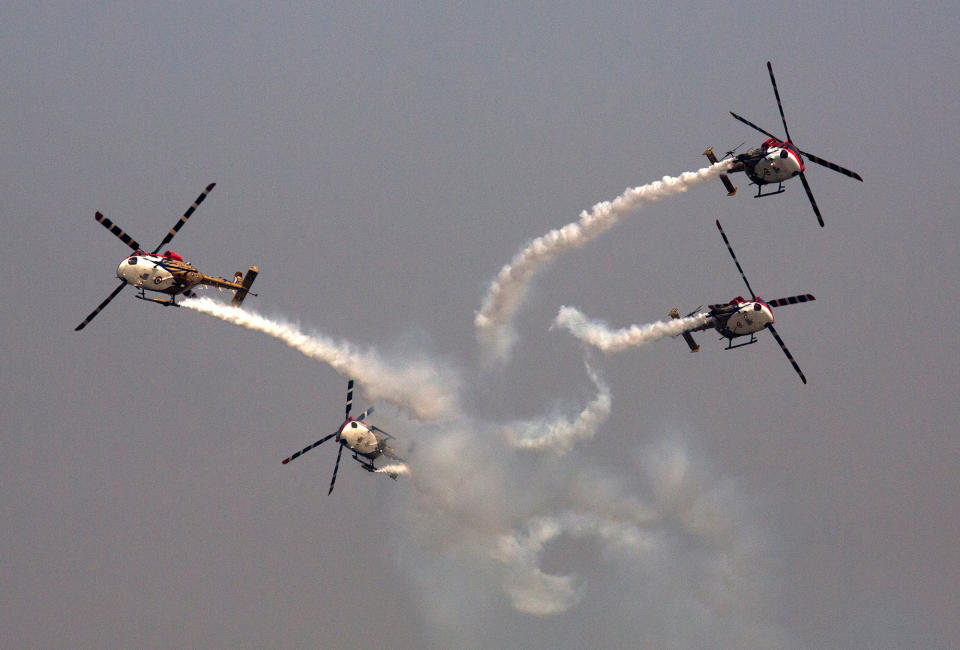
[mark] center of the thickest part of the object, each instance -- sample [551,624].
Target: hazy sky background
[380,164]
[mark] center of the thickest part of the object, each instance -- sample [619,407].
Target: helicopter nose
[126,270]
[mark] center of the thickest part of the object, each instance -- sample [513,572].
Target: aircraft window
[757,307]
[783,154]
[132,260]
[353,424]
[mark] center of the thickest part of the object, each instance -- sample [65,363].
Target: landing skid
[760,193]
[367,465]
[166,303]
[731,346]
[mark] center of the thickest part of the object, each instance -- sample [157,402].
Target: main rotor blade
[786,352]
[333,479]
[186,215]
[733,255]
[829,165]
[792,300]
[749,123]
[118,231]
[308,448]
[779,104]
[813,201]
[373,428]
[349,398]
[367,412]
[100,308]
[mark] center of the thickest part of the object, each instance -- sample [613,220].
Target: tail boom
[712,157]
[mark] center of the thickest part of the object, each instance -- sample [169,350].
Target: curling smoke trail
[560,435]
[419,387]
[534,592]
[597,334]
[494,320]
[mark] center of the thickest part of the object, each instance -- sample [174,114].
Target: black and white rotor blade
[829,165]
[786,352]
[791,300]
[365,413]
[186,215]
[813,201]
[100,307]
[779,104]
[118,231]
[346,414]
[751,124]
[734,256]
[333,479]
[308,448]
[379,430]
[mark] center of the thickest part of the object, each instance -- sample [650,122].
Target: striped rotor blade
[367,412]
[751,124]
[186,215]
[308,448]
[734,256]
[100,307]
[792,300]
[118,231]
[779,104]
[786,352]
[349,398]
[373,428]
[813,201]
[829,165]
[333,479]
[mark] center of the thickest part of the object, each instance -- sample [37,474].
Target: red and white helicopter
[741,317]
[166,273]
[363,439]
[775,161]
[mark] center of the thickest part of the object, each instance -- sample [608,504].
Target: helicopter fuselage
[166,273]
[358,438]
[169,274]
[773,162]
[742,318]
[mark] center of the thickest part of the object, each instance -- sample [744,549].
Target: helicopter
[366,441]
[742,317]
[166,273]
[774,161]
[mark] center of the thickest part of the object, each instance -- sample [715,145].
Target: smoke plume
[500,525]
[598,335]
[560,435]
[396,468]
[420,387]
[493,322]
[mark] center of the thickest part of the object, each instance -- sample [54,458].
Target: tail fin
[245,289]
[675,313]
[712,157]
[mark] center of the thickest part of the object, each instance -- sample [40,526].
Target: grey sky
[380,164]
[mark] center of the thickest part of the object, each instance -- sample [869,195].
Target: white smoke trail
[600,336]
[560,435]
[494,320]
[660,550]
[534,592]
[419,387]
[396,468]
